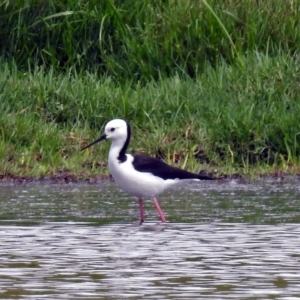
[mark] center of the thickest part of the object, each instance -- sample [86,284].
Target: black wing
[144,163]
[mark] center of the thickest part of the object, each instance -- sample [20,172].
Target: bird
[140,176]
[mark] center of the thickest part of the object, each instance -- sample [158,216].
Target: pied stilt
[140,175]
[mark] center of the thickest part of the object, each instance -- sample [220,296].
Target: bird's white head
[115,130]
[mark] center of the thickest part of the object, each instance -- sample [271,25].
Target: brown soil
[66,177]
[62,177]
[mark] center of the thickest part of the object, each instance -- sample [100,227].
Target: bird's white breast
[135,183]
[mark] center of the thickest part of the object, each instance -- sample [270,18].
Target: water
[223,241]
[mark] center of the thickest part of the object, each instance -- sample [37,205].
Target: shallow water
[222,241]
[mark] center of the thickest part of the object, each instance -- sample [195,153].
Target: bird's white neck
[118,149]
[115,149]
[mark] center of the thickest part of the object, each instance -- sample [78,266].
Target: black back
[144,163]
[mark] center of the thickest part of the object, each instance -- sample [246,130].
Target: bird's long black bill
[101,138]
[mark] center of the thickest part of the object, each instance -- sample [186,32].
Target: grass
[144,40]
[206,84]
[233,117]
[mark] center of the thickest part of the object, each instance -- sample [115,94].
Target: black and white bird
[140,176]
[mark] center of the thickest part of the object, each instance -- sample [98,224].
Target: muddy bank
[66,177]
[62,177]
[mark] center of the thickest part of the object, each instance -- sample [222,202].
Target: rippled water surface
[222,241]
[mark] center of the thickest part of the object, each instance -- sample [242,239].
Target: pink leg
[141,211]
[161,214]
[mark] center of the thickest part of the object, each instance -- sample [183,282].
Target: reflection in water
[223,242]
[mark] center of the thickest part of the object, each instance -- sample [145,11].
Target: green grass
[144,40]
[205,83]
[233,117]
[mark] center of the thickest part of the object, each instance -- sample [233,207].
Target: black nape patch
[122,155]
[122,159]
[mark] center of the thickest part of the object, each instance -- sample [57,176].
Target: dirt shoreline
[57,178]
[65,177]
